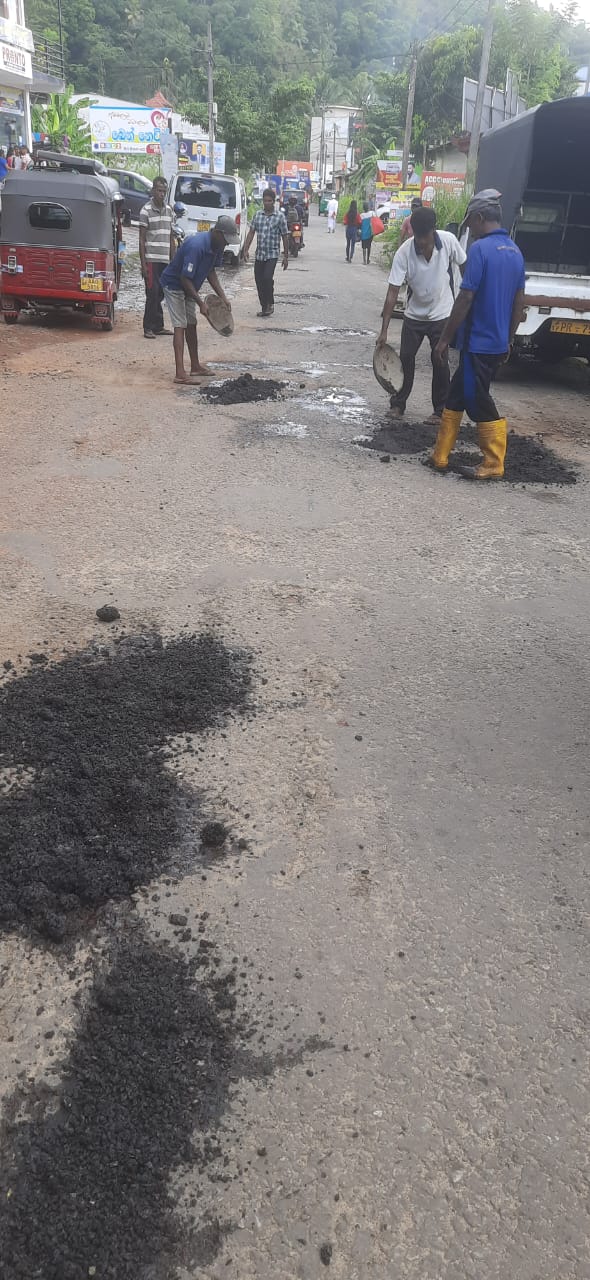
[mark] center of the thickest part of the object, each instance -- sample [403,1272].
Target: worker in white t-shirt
[426,263]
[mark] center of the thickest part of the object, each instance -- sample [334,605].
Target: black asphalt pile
[528,460]
[244,390]
[89,807]
[401,437]
[85,1171]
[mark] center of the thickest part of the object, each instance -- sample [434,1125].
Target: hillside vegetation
[277,61]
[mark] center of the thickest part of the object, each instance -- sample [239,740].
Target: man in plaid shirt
[270,227]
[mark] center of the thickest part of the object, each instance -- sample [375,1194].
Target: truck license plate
[92,284]
[570,326]
[203,226]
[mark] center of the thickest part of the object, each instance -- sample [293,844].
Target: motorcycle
[295,237]
[177,231]
[295,231]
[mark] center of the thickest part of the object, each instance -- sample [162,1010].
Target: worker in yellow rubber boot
[483,322]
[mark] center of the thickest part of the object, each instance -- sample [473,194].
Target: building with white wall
[329,142]
[16,75]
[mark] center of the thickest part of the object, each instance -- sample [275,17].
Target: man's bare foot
[202,371]
[396,411]
[187,379]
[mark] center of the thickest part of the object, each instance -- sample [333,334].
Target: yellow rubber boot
[445,441]
[492,439]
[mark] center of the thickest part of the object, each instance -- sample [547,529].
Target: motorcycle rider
[294,213]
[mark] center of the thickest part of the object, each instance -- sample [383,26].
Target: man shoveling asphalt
[484,319]
[427,262]
[194,262]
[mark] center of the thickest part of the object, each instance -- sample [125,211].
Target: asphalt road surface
[404,889]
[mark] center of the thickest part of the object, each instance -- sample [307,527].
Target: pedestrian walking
[269,226]
[483,323]
[425,262]
[406,231]
[332,211]
[352,222]
[3,165]
[366,232]
[195,261]
[156,248]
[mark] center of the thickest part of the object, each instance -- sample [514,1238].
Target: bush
[344,203]
[448,208]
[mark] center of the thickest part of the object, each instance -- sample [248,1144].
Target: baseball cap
[228,229]
[480,201]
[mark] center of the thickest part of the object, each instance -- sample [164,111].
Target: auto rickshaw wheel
[10,317]
[109,323]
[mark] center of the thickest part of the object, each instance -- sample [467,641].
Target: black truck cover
[545,149]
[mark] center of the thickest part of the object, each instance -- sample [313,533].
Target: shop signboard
[15,66]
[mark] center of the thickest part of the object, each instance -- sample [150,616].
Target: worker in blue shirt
[484,320]
[195,261]
[3,165]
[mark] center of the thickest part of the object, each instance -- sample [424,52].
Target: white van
[206,196]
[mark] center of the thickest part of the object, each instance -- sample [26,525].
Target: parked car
[135,189]
[206,196]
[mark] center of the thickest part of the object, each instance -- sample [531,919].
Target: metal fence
[48,57]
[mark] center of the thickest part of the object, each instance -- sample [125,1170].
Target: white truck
[540,162]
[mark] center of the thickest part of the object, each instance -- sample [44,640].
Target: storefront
[16,75]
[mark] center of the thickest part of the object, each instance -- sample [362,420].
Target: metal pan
[387,369]
[220,316]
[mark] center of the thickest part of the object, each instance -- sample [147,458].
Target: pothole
[528,460]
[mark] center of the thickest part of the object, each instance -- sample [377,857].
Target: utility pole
[334,157]
[409,113]
[484,67]
[322,150]
[210,100]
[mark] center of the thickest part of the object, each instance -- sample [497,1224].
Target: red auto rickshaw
[59,239]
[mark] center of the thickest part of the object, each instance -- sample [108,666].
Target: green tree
[59,120]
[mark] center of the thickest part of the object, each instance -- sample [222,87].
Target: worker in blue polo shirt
[195,261]
[484,320]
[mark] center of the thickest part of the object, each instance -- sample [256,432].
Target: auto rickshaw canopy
[60,209]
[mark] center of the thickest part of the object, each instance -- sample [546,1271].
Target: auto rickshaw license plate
[570,326]
[92,284]
[203,226]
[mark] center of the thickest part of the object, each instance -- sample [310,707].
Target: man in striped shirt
[156,248]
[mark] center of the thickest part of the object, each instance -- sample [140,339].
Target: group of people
[14,158]
[357,226]
[175,275]
[473,301]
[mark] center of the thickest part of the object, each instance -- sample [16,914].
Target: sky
[583,8]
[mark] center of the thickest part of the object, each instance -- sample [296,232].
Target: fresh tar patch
[88,1169]
[90,809]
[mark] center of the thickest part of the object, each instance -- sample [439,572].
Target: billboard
[498,104]
[389,174]
[194,153]
[433,183]
[129,130]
